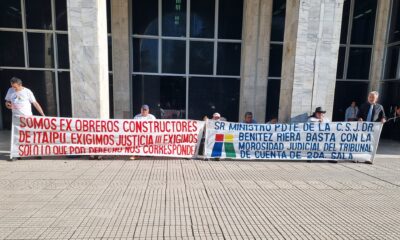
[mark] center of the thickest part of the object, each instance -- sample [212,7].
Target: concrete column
[288,60]
[310,57]
[378,52]
[87,34]
[120,56]
[255,55]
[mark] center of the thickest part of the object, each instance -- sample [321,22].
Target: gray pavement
[194,199]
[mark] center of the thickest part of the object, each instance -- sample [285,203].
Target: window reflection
[145,55]
[228,60]
[108,6]
[64,89]
[273,93]
[174,18]
[345,93]
[392,70]
[165,95]
[340,66]
[10,14]
[109,51]
[173,56]
[63,51]
[275,60]
[363,22]
[390,95]
[61,14]
[11,49]
[345,21]
[278,20]
[394,31]
[145,17]
[40,50]
[359,63]
[209,95]
[201,57]
[165,92]
[38,14]
[202,18]
[230,19]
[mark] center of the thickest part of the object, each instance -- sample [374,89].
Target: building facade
[190,58]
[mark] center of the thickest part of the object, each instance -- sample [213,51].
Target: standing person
[217,117]
[351,112]
[396,123]
[391,129]
[248,118]
[273,120]
[318,116]
[144,114]
[20,99]
[371,111]
[396,115]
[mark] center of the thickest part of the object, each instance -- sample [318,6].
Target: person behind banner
[396,123]
[351,112]
[143,115]
[216,116]
[273,120]
[318,116]
[248,118]
[20,99]
[391,129]
[396,114]
[371,111]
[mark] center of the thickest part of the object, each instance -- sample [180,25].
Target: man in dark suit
[372,111]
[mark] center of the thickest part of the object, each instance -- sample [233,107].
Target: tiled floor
[194,199]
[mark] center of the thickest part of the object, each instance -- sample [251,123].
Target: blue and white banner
[353,141]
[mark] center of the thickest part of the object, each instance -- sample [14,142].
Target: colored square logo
[228,137]
[219,137]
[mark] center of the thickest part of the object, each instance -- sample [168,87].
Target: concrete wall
[255,55]
[378,52]
[311,45]
[87,28]
[120,58]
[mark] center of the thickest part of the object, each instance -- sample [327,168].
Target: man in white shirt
[19,99]
[144,114]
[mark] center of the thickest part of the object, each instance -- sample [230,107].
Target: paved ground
[193,199]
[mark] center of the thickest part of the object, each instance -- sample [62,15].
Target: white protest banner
[52,136]
[355,141]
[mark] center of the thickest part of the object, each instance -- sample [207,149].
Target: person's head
[216,116]
[248,117]
[373,97]
[205,118]
[273,120]
[144,110]
[16,83]
[353,104]
[319,113]
[398,109]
